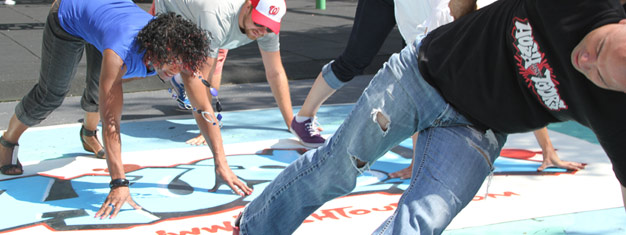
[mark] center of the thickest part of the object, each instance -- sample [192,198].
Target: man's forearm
[460,8]
[277,79]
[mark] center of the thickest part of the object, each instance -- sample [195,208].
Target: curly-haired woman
[121,41]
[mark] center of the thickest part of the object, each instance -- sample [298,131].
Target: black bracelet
[119,183]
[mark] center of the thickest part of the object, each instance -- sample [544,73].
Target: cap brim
[267,22]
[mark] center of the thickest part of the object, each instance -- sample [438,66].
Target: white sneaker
[178,93]
[9,2]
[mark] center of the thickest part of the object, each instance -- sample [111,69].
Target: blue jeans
[452,158]
[60,55]
[373,21]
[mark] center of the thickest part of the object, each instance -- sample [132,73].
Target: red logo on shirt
[274,10]
[534,68]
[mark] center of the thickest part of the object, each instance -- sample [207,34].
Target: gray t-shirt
[220,19]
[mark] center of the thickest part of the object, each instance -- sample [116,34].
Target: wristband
[119,183]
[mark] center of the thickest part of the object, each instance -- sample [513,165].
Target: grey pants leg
[60,55]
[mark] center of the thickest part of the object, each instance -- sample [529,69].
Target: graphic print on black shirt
[534,68]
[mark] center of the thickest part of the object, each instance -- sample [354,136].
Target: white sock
[301,119]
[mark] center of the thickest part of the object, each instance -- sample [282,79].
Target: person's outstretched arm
[550,157]
[199,97]
[111,101]
[277,79]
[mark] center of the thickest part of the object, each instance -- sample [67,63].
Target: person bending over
[513,66]
[141,46]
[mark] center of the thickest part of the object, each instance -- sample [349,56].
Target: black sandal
[88,133]
[15,163]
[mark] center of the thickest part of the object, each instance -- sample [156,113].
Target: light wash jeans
[452,159]
[60,55]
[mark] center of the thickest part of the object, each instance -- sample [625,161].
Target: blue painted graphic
[180,190]
[163,193]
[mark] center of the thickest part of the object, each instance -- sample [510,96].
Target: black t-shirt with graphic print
[507,67]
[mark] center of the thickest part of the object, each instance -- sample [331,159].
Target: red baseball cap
[268,13]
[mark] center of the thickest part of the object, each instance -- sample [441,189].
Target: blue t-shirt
[108,24]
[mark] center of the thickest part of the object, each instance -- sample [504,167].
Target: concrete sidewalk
[157,104]
[309,39]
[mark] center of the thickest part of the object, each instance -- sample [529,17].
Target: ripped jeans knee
[359,165]
[382,119]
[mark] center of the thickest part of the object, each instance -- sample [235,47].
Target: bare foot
[198,140]
[402,174]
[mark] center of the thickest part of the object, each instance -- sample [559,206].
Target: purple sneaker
[307,133]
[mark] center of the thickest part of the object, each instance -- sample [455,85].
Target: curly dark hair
[169,36]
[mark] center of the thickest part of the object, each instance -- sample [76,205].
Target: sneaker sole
[183,107]
[310,145]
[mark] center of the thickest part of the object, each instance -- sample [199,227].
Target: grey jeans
[60,55]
